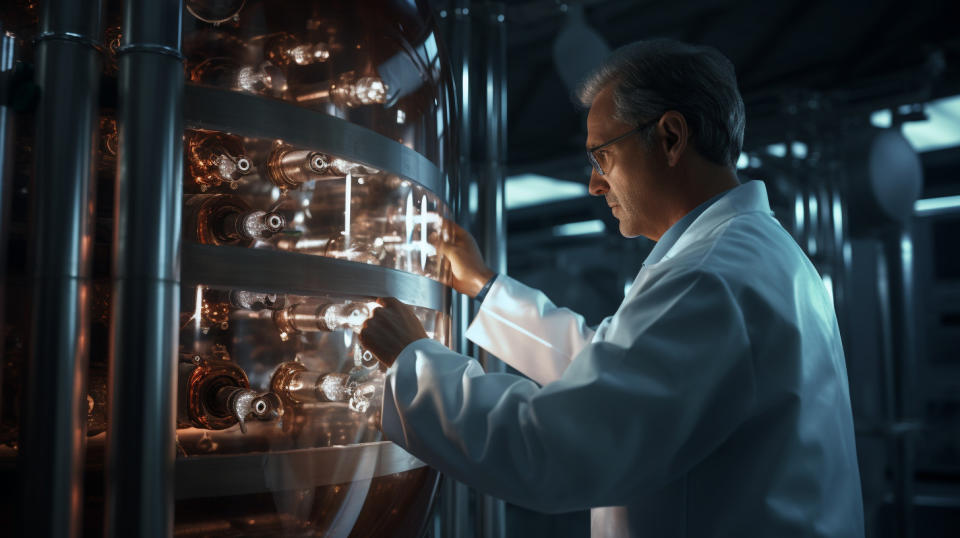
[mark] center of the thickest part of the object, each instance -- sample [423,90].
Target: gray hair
[652,77]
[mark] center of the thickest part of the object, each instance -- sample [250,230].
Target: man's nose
[598,185]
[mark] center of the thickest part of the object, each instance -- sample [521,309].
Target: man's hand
[390,329]
[468,271]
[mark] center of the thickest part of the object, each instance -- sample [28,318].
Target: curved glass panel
[337,149]
[373,63]
[275,391]
[308,381]
[268,194]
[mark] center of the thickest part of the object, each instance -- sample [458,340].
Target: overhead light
[780,150]
[940,130]
[527,190]
[586,227]
[777,150]
[881,118]
[799,150]
[937,206]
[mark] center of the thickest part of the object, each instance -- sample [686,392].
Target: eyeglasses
[593,158]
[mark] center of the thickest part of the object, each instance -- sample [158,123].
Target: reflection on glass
[226,219]
[214,306]
[416,244]
[214,11]
[214,158]
[348,90]
[263,78]
[214,393]
[364,359]
[97,390]
[326,317]
[214,312]
[388,77]
[112,37]
[284,49]
[309,205]
[289,168]
[109,143]
[255,301]
[356,249]
[293,383]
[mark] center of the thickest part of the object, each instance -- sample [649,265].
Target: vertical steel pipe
[489,157]
[493,523]
[494,156]
[54,419]
[476,34]
[8,52]
[492,217]
[454,508]
[898,251]
[146,255]
[459,39]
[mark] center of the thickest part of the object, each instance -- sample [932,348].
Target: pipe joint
[71,37]
[152,49]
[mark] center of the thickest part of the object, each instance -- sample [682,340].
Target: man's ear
[674,135]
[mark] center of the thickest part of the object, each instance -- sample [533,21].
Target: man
[714,402]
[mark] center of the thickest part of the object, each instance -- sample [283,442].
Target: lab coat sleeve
[634,411]
[523,328]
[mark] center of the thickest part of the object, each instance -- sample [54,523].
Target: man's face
[629,182]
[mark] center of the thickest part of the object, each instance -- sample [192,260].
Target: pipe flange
[151,48]
[69,36]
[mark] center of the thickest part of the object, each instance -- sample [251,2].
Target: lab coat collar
[670,237]
[749,197]
[746,198]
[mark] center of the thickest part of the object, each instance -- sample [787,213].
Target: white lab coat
[714,402]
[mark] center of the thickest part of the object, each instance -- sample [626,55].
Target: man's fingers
[363,337]
[443,236]
[390,329]
[448,229]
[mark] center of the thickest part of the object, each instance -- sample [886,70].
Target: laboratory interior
[201,202]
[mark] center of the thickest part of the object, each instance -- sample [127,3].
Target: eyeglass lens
[593,162]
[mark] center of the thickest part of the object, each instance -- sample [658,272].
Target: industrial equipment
[316,161]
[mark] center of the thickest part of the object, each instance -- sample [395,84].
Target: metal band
[151,48]
[303,274]
[69,36]
[213,476]
[256,117]
[482,294]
